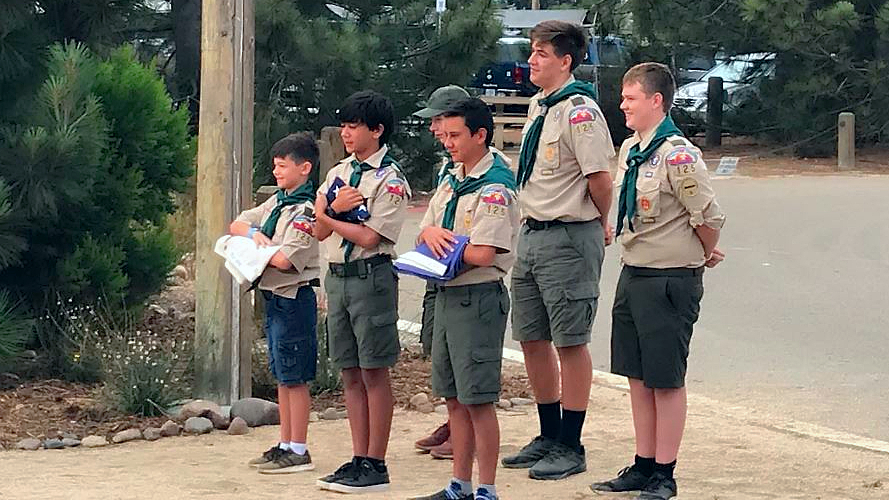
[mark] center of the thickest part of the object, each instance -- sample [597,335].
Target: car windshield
[513,51]
[737,71]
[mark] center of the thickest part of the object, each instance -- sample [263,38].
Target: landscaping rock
[419,399]
[29,444]
[198,425]
[94,442]
[127,435]
[152,433]
[197,408]
[256,411]
[53,444]
[521,401]
[170,429]
[238,427]
[441,409]
[504,403]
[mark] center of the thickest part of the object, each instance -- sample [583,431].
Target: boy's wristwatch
[330,212]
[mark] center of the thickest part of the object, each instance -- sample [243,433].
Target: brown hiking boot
[437,438]
[444,451]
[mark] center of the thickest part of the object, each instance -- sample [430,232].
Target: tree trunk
[187,38]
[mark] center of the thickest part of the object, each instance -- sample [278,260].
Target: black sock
[378,465]
[572,424]
[645,465]
[550,415]
[665,469]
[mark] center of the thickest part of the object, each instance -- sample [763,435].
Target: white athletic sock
[284,446]
[298,448]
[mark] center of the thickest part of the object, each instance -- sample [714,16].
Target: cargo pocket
[486,373]
[579,298]
[385,334]
[648,206]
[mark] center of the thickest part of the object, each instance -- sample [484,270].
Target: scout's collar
[483,165]
[373,160]
[644,138]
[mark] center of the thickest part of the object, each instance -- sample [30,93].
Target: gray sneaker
[561,461]
[287,463]
[530,454]
[269,455]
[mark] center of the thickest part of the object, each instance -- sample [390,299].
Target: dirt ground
[722,458]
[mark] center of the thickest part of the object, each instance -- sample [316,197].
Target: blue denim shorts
[291,335]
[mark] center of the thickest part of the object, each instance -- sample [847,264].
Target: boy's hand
[715,258]
[438,239]
[347,198]
[261,240]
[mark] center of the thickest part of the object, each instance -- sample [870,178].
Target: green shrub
[15,329]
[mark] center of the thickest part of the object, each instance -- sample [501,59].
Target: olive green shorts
[555,283]
[362,317]
[468,342]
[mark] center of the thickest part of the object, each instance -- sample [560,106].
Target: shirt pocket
[549,149]
[648,201]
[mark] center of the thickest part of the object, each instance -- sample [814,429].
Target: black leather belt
[359,267]
[678,272]
[537,225]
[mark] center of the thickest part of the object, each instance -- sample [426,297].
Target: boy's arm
[493,226]
[358,234]
[322,229]
[479,255]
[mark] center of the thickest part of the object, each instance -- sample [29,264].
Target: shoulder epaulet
[577,101]
[679,141]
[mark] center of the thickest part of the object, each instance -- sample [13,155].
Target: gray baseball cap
[440,100]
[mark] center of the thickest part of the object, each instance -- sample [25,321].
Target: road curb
[411,331]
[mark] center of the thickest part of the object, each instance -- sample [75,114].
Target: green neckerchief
[302,194]
[626,204]
[358,170]
[532,139]
[499,173]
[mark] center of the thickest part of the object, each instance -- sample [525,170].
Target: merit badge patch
[581,114]
[549,153]
[649,174]
[381,172]
[495,200]
[395,190]
[681,156]
[689,187]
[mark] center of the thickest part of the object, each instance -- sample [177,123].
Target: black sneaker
[365,479]
[561,461]
[659,487]
[347,469]
[530,454]
[453,489]
[628,480]
[270,455]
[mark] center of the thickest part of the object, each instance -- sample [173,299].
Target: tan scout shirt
[386,191]
[574,143]
[673,196]
[295,234]
[490,217]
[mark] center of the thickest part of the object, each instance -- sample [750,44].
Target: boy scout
[287,219]
[673,225]
[438,443]
[565,194]
[476,199]
[361,285]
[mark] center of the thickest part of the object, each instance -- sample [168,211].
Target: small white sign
[727,165]
[441,5]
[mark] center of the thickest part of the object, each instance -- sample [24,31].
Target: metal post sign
[441,6]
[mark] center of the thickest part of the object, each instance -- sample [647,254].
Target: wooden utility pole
[535,4]
[223,326]
[846,141]
[714,112]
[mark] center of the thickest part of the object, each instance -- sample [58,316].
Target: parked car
[509,73]
[606,61]
[742,76]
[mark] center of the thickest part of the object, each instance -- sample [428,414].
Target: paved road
[795,322]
